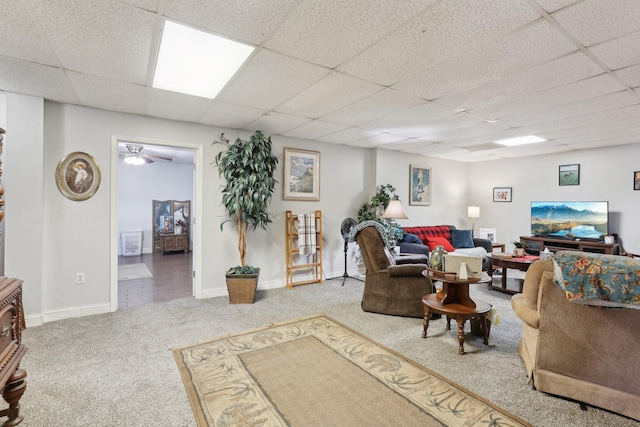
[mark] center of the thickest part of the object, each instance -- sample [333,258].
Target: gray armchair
[392,285]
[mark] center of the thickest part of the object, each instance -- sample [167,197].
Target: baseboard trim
[80,311]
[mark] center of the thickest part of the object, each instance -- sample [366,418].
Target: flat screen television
[575,220]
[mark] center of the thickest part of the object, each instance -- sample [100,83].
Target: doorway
[132,213]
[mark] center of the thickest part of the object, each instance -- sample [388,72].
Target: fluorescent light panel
[529,139]
[195,62]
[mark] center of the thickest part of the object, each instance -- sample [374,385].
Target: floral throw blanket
[599,280]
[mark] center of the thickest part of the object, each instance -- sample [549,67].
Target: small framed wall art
[502,194]
[78,176]
[419,185]
[301,175]
[569,174]
[636,180]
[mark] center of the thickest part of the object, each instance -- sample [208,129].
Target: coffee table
[505,261]
[454,302]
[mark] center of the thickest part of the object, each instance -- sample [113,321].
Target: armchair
[392,285]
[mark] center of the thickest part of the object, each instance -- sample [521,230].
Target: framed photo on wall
[636,180]
[78,176]
[569,174]
[502,194]
[301,175]
[419,185]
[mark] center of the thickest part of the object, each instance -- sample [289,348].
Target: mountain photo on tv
[574,220]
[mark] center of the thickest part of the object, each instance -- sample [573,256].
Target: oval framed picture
[78,176]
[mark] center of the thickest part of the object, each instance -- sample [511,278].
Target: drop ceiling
[440,78]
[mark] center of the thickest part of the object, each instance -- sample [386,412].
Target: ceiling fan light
[134,160]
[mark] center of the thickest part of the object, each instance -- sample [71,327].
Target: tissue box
[545,254]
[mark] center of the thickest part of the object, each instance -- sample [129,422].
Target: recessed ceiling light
[529,139]
[195,62]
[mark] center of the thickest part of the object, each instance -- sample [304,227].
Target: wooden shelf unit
[533,245]
[293,251]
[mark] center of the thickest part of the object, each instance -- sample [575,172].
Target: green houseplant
[371,212]
[248,167]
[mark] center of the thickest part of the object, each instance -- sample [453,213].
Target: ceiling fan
[137,157]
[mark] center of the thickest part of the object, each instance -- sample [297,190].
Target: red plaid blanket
[429,231]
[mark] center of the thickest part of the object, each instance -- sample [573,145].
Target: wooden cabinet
[174,242]
[534,245]
[12,379]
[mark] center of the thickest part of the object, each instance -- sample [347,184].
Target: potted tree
[248,168]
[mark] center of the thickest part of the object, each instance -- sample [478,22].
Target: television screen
[578,220]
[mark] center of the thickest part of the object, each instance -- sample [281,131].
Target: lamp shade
[395,210]
[473,211]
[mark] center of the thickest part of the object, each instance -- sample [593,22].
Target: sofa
[423,239]
[575,350]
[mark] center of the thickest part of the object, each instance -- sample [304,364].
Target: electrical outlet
[79,278]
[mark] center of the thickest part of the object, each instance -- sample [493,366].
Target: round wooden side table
[454,302]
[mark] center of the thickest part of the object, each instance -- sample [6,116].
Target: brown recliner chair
[391,286]
[577,351]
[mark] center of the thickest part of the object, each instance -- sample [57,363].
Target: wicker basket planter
[242,288]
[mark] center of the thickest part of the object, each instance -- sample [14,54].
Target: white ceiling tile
[229,115]
[21,37]
[573,67]
[553,5]
[603,135]
[425,112]
[410,144]
[630,75]
[151,5]
[619,53]
[314,129]
[328,33]
[116,38]
[176,106]
[327,95]
[594,130]
[379,104]
[594,21]
[573,92]
[28,78]
[347,135]
[250,21]
[605,143]
[383,139]
[268,79]
[107,94]
[432,130]
[277,123]
[592,105]
[538,150]
[442,32]
[532,45]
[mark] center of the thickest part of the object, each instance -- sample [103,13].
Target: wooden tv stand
[534,245]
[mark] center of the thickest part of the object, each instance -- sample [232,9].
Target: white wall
[138,186]
[605,174]
[50,238]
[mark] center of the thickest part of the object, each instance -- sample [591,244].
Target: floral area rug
[317,371]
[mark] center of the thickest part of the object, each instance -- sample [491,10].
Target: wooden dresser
[174,242]
[12,378]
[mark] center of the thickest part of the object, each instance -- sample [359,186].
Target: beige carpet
[133,271]
[317,371]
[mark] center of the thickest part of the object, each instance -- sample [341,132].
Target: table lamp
[473,212]
[395,210]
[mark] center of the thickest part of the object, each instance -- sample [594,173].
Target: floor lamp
[473,212]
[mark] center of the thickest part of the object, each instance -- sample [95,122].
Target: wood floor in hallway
[172,279]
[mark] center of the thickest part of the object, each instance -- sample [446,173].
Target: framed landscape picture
[301,175]
[419,185]
[636,180]
[78,176]
[502,194]
[569,175]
